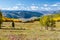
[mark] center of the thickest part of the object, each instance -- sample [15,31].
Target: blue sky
[30,5]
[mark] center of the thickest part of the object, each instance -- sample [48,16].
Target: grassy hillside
[55,17]
[10,19]
[29,31]
[32,31]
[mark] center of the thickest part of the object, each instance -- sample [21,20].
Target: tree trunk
[52,28]
[46,28]
[0,26]
[13,25]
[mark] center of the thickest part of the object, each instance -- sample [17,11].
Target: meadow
[28,31]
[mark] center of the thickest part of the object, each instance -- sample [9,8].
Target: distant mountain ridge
[50,12]
[21,14]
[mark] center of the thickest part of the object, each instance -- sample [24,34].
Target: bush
[1,19]
[47,21]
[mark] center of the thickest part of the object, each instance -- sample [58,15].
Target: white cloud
[19,4]
[15,8]
[55,5]
[45,8]
[34,7]
[33,4]
[6,8]
[58,3]
[11,8]
[51,5]
[45,5]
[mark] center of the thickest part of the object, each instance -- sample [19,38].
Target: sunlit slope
[56,16]
[11,19]
[56,19]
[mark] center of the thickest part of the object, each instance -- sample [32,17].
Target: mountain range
[20,14]
[25,15]
[50,12]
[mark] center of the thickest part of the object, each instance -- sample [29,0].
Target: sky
[35,5]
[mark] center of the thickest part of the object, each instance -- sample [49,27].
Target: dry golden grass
[31,32]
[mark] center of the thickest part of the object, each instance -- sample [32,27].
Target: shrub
[1,19]
[47,21]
